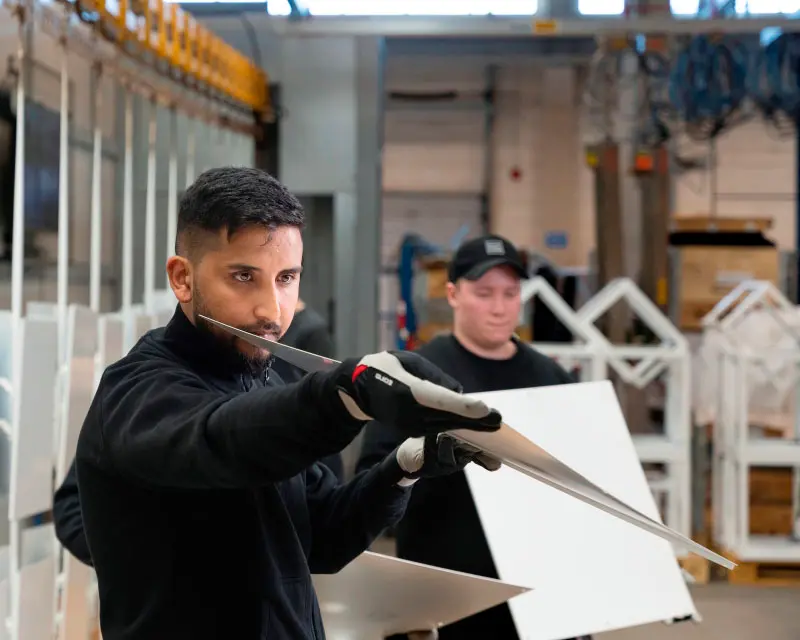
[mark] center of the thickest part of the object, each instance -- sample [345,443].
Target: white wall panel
[539,132]
[426,150]
[756,175]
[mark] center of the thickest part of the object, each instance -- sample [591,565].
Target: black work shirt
[441,526]
[204,510]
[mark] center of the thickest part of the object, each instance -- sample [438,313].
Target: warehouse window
[691,7]
[410,7]
[743,7]
[601,7]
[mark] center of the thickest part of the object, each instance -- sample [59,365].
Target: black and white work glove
[439,455]
[402,389]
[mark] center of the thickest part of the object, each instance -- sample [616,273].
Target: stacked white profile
[750,357]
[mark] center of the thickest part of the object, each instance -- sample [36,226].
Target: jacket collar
[201,350]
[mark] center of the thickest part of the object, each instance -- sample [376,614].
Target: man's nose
[269,308]
[498,307]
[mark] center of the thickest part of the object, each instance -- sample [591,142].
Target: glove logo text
[384,379]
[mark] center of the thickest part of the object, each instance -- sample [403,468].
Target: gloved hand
[404,390]
[439,455]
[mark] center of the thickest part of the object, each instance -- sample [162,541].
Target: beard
[255,360]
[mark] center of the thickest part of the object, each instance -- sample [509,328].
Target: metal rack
[743,368]
[597,356]
[670,358]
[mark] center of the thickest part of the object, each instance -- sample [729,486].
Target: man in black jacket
[204,509]
[483,354]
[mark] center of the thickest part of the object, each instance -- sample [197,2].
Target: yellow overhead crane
[170,40]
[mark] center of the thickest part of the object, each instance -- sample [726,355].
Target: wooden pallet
[767,574]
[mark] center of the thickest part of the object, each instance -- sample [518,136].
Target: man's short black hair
[231,198]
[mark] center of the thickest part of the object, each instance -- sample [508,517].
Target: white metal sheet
[377,595]
[111,337]
[82,346]
[33,415]
[144,322]
[42,309]
[36,604]
[77,608]
[592,573]
[6,355]
[5,596]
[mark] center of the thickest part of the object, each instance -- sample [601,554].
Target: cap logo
[494,247]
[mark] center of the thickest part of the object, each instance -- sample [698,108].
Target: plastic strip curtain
[62,270]
[17,311]
[150,213]
[63,210]
[190,154]
[172,187]
[96,243]
[127,226]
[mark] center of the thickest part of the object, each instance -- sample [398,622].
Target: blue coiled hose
[775,81]
[708,85]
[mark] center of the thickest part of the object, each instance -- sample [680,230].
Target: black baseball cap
[475,257]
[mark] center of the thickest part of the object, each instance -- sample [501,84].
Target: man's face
[487,310]
[250,281]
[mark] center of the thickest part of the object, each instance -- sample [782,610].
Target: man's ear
[452,289]
[179,271]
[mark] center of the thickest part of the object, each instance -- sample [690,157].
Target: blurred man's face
[486,311]
[250,281]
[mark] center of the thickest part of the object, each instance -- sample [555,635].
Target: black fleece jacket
[204,509]
[67,517]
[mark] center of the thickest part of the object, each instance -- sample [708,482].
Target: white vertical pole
[96,247]
[190,153]
[18,234]
[63,209]
[17,301]
[172,188]
[150,213]
[127,225]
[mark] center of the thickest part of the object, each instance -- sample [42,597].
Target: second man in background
[441,526]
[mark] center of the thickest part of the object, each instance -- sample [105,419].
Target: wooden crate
[706,223]
[436,279]
[707,273]
[770,485]
[770,504]
[771,519]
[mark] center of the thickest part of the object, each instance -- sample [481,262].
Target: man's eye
[243,276]
[287,278]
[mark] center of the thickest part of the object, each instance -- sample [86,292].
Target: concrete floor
[730,612]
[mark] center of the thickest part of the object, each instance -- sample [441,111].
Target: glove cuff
[393,472]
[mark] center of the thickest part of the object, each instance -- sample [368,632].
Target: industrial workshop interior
[629,167]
